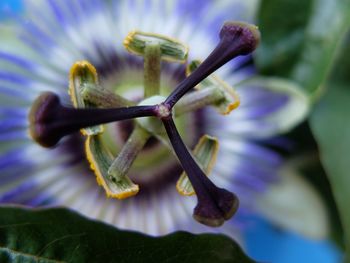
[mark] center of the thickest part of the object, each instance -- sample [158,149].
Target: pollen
[231,107]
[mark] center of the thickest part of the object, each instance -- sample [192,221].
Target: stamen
[236,38]
[100,160]
[84,87]
[154,48]
[152,70]
[49,120]
[215,205]
[198,99]
[82,76]
[171,49]
[227,98]
[102,97]
[133,146]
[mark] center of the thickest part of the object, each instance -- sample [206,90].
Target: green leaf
[292,113]
[301,41]
[300,38]
[325,30]
[59,235]
[282,34]
[331,127]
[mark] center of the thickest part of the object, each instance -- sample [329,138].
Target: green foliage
[301,41]
[332,131]
[59,235]
[282,25]
[331,127]
[300,38]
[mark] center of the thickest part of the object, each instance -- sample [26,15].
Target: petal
[293,203]
[282,104]
[269,106]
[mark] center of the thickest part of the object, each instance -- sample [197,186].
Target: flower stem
[128,154]
[152,64]
[198,99]
[103,98]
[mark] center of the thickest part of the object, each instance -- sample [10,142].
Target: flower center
[96,105]
[154,162]
[127,80]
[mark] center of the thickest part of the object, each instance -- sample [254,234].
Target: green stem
[152,64]
[103,98]
[198,99]
[129,152]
